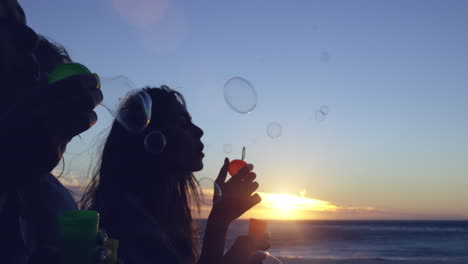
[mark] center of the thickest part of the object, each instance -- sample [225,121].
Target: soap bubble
[131,107]
[155,142]
[274,130]
[227,148]
[114,88]
[325,57]
[134,112]
[322,113]
[210,191]
[325,109]
[240,95]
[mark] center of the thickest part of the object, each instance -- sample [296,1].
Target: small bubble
[325,109]
[240,95]
[210,191]
[227,148]
[155,142]
[274,130]
[325,57]
[322,113]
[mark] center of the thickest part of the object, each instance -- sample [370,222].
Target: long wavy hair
[124,167]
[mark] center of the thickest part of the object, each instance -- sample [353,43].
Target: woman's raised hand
[237,193]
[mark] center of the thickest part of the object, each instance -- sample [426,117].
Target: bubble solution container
[78,233]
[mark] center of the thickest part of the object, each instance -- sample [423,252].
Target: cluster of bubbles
[240,96]
[131,107]
[210,191]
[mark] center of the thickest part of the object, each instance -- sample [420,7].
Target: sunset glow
[289,202]
[281,206]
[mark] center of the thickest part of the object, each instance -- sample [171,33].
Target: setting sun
[291,202]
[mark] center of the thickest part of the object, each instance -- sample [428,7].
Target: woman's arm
[236,199]
[214,239]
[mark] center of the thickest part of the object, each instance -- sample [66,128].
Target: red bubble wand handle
[236,165]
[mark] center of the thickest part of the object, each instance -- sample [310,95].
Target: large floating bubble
[210,191]
[114,89]
[155,142]
[274,130]
[322,113]
[131,107]
[134,112]
[227,148]
[240,95]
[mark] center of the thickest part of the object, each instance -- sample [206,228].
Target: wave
[443,241]
[378,226]
[391,228]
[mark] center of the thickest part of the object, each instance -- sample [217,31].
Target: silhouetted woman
[144,198]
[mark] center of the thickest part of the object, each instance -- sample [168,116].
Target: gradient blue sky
[396,137]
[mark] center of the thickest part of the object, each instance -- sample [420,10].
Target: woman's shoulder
[127,217]
[141,240]
[49,195]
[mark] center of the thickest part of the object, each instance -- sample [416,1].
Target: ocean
[363,241]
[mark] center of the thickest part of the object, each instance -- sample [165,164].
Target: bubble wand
[236,165]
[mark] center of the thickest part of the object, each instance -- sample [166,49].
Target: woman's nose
[198,131]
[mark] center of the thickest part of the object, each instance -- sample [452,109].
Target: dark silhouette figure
[37,121]
[144,199]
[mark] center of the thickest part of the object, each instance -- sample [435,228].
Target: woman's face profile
[184,148]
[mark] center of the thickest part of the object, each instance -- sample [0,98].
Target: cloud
[287,206]
[72,183]
[69,179]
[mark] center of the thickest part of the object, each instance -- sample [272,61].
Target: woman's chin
[197,166]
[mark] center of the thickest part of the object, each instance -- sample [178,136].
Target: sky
[394,75]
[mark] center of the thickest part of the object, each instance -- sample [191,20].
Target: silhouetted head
[26,58]
[163,181]
[183,152]
[11,9]
[18,66]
